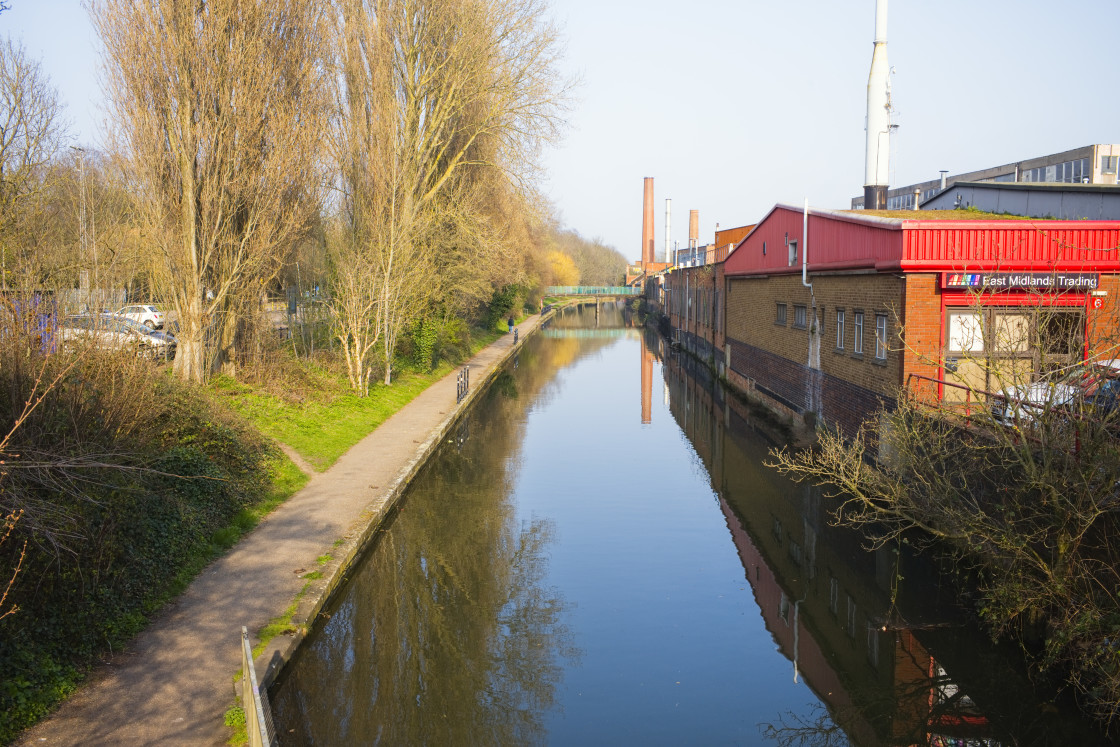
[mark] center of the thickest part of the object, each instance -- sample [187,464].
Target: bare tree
[1015,468]
[32,131]
[219,108]
[432,95]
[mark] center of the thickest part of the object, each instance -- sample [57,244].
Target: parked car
[145,314]
[1091,387]
[112,332]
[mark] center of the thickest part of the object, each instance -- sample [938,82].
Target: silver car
[1090,386]
[112,332]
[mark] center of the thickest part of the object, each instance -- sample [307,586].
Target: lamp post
[83,273]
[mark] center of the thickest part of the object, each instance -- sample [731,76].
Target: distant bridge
[592,290]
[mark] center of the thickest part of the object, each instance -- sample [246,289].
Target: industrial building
[1090,164]
[1034,200]
[830,314]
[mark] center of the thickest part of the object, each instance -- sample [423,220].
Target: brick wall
[1104,323]
[752,313]
[921,352]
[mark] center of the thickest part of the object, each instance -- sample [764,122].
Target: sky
[734,106]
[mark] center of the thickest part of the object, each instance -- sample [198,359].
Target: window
[781,317]
[799,317]
[1108,164]
[857,329]
[881,336]
[852,629]
[834,595]
[793,252]
[839,329]
[872,644]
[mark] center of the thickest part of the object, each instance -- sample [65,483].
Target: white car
[146,314]
[112,332]
[1091,386]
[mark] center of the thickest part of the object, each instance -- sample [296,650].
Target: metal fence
[258,715]
[463,384]
[592,290]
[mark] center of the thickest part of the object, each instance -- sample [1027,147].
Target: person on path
[510,322]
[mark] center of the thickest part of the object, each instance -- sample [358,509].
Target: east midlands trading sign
[1035,281]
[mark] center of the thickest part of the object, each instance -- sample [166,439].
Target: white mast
[876,169]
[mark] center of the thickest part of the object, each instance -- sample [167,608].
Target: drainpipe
[804,250]
[814,328]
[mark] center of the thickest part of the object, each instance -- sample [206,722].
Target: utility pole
[83,273]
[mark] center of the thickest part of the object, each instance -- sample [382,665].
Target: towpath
[175,680]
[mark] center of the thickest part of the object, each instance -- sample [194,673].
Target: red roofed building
[896,296]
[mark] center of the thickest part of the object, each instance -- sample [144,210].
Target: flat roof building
[1090,164]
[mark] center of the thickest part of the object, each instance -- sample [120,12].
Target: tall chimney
[668,226]
[876,169]
[647,223]
[693,228]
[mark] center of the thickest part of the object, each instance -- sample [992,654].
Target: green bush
[145,479]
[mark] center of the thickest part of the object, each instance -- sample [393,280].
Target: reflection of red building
[924,704]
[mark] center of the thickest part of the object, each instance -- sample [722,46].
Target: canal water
[600,556]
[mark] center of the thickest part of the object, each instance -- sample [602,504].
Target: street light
[83,273]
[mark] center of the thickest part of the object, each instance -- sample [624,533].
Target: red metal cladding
[849,241]
[833,244]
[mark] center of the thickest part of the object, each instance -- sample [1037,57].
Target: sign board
[1078,282]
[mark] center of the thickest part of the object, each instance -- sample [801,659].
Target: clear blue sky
[733,106]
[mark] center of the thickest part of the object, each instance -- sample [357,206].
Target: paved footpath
[174,681]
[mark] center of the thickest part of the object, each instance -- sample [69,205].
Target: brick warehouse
[894,294]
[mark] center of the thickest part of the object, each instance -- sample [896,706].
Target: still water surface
[599,556]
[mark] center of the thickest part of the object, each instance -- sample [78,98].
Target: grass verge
[324,422]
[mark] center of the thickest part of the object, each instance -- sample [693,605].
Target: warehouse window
[857,330]
[799,317]
[781,316]
[881,336]
[1108,164]
[839,329]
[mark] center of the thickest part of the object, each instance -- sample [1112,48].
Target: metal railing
[463,384]
[258,715]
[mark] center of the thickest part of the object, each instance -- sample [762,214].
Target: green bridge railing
[592,290]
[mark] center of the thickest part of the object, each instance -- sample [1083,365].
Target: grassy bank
[315,411]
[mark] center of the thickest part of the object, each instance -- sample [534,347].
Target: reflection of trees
[813,729]
[448,633]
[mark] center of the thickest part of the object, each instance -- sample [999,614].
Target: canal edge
[314,597]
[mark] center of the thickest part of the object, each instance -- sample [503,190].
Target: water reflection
[448,632]
[568,570]
[875,635]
